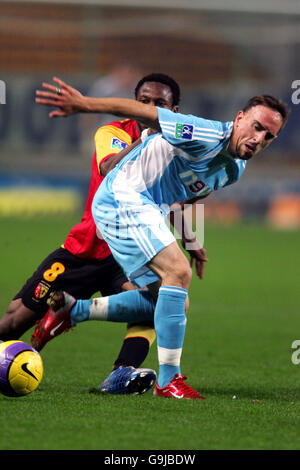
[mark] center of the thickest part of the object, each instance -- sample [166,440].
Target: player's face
[254,130]
[156,94]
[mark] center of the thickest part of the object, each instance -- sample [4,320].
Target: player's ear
[175,109]
[239,116]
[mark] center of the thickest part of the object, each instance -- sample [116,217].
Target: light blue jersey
[188,159]
[202,163]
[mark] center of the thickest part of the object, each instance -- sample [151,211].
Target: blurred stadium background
[221,53]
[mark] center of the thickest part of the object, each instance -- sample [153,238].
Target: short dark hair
[270,102]
[165,80]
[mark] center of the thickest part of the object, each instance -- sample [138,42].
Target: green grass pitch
[242,321]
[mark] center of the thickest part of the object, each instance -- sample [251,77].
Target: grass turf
[243,319]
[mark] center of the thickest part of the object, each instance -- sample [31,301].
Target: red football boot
[177,388]
[55,321]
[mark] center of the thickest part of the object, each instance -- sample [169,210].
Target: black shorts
[80,277]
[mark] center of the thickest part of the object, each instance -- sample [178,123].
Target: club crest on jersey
[184,131]
[41,290]
[118,144]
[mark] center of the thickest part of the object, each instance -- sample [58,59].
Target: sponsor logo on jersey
[41,290]
[118,144]
[184,131]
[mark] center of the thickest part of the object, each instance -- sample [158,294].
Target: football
[21,368]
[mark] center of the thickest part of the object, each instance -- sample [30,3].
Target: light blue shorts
[134,228]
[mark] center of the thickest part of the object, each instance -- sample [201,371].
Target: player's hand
[197,255]
[198,258]
[63,97]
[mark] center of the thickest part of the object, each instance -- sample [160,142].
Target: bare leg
[16,321]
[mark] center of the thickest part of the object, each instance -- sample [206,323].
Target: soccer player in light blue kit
[190,158]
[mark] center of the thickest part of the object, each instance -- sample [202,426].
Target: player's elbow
[105,168]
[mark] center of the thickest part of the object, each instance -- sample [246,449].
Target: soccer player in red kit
[84,265]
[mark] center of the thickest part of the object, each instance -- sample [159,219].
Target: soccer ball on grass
[21,368]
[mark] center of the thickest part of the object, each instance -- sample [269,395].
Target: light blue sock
[81,311]
[130,306]
[170,322]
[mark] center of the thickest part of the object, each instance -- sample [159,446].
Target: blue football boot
[127,379]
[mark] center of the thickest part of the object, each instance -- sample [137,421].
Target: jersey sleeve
[193,134]
[110,140]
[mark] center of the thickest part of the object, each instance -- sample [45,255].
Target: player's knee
[172,267]
[10,313]
[182,276]
[16,320]
[7,326]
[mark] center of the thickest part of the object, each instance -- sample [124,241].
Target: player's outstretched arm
[67,100]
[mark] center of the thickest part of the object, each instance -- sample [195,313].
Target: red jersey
[110,139]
